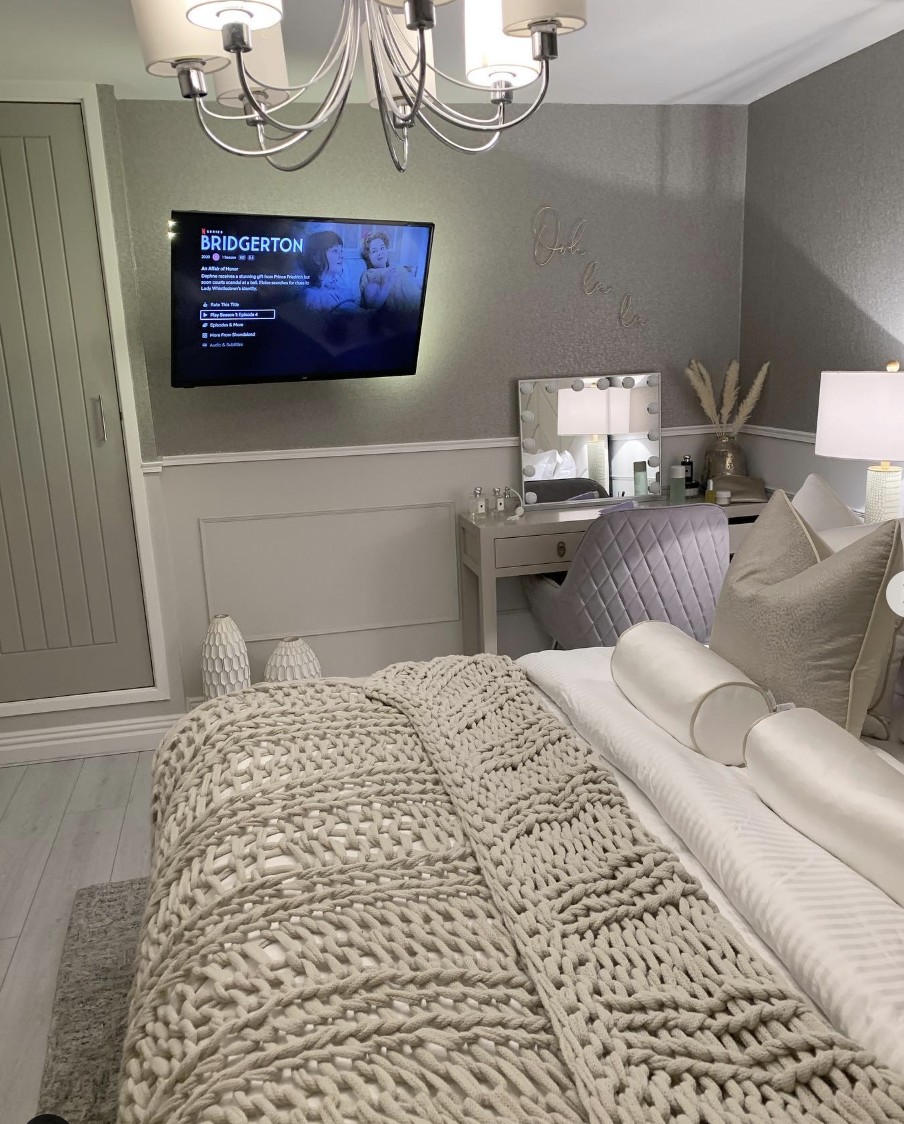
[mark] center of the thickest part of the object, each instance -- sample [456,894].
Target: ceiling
[639,51]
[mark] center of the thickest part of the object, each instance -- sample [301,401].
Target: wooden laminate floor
[63,825]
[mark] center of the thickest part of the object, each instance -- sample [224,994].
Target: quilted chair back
[661,564]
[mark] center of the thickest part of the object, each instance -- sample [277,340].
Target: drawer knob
[561,549]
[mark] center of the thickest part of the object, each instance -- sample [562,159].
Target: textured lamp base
[598,462]
[883,493]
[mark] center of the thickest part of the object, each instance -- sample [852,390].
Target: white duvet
[840,938]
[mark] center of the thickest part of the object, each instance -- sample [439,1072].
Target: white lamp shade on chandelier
[491,56]
[408,45]
[167,37]
[267,70]
[861,418]
[215,14]
[520,16]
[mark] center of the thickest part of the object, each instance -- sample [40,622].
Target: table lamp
[861,418]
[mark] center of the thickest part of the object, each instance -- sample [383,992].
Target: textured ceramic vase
[225,667]
[724,457]
[291,660]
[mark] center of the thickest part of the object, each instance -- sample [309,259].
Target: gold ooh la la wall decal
[549,244]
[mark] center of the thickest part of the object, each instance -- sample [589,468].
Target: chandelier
[509,44]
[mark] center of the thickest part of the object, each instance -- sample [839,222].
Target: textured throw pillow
[821,508]
[813,628]
[879,723]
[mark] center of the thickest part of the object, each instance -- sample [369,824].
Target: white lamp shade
[167,37]
[861,416]
[492,56]
[266,65]
[215,14]
[408,42]
[620,409]
[582,412]
[519,16]
[641,417]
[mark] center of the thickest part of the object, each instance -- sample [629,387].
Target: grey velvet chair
[653,563]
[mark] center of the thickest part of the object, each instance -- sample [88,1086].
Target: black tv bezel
[327,376]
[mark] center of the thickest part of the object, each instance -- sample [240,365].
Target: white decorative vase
[291,660]
[225,667]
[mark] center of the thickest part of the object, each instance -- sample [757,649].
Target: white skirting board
[99,739]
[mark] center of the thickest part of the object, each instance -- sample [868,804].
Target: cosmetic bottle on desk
[677,490]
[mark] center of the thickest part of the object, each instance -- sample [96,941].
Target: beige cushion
[811,627]
[821,508]
[879,723]
[834,790]
[687,690]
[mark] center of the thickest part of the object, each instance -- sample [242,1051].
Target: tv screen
[263,298]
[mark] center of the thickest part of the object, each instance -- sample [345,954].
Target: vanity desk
[540,542]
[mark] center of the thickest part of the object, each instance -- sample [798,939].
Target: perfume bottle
[688,470]
[497,505]
[710,496]
[477,506]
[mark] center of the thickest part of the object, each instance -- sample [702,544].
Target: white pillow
[700,699]
[821,508]
[830,787]
[551,465]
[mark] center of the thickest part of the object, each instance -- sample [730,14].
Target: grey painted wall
[824,236]
[661,189]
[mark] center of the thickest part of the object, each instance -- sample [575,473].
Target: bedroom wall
[661,189]
[247,472]
[823,245]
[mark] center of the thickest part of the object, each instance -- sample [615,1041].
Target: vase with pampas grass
[725,457]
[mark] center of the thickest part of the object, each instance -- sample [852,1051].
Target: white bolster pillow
[835,790]
[700,699]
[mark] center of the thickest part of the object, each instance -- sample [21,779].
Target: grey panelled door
[72,617]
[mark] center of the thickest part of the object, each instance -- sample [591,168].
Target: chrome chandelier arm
[325,139]
[338,90]
[201,112]
[479,125]
[487,146]
[328,63]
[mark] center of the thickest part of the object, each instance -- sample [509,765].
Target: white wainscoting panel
[317,573]
[388,557]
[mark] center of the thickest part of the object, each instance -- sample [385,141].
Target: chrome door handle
[561,548]
[101,417]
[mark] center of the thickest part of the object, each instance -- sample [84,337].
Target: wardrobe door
[72,617]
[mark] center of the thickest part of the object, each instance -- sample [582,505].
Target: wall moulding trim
[798,435]
[189,459]
[98,739]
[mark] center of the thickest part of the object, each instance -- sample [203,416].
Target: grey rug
[88,1025]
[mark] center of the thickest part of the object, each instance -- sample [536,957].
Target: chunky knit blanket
[421,898]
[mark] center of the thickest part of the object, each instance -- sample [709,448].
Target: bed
[472,891]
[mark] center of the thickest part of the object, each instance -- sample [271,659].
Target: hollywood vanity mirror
[589,439]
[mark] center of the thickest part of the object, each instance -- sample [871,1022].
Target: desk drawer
[536,550]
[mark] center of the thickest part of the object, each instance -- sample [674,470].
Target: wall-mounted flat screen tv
[264,298]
